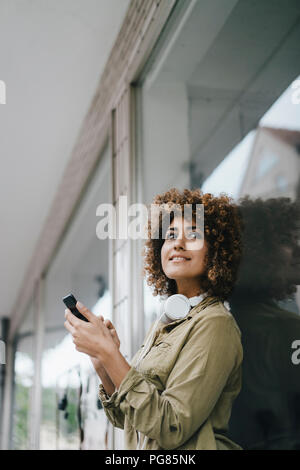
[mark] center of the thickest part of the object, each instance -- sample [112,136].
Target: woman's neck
[189,287]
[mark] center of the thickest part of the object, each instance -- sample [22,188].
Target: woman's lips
[179,260]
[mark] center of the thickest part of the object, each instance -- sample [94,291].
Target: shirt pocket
[160,349]
[158,360]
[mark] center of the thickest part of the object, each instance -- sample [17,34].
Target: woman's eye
[170,236]
[190,236]
[194,235]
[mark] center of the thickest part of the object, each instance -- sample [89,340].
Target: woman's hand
[95,361]
[98,341]
[113,332]
[93,337]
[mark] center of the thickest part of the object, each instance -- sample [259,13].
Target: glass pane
[71,418]
[23,382]
[219,110]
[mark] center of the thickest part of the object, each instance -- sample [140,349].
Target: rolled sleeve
[192,389]
[111,403]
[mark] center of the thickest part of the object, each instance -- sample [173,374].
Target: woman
[177,394]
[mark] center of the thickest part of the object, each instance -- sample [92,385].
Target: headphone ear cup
[173,308]
[177,307]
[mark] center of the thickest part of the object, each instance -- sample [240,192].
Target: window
[81,266]
[24,368]
[217,111]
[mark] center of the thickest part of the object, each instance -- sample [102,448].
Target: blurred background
[106,98]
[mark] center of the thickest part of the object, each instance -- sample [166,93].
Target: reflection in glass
[224,120]
[70,412]
[266,414]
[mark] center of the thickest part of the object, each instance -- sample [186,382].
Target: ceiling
[235,59]
[52,54]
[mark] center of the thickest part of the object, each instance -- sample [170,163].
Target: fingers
[109,324]
[111,327]
[85,312]
[69,327]
[115,335]
[74,321]
[71,318]
[112,331]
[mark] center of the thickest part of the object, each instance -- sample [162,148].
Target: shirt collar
[206,300]
[197,299]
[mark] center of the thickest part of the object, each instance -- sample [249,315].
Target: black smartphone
[70,302]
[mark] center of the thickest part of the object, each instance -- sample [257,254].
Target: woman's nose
[179,242]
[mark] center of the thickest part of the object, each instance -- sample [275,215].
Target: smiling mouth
[179,259]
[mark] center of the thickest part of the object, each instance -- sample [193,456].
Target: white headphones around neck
[177,306]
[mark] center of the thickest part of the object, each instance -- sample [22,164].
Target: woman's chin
[176,275]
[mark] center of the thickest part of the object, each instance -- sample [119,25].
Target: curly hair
[269,226]
[222,234]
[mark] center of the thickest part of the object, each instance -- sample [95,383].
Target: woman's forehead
[181,220]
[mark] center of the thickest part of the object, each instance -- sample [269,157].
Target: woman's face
[183,252]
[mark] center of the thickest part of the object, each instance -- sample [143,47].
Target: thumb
[85,312]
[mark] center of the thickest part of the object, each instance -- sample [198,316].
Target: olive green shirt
[181,394]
